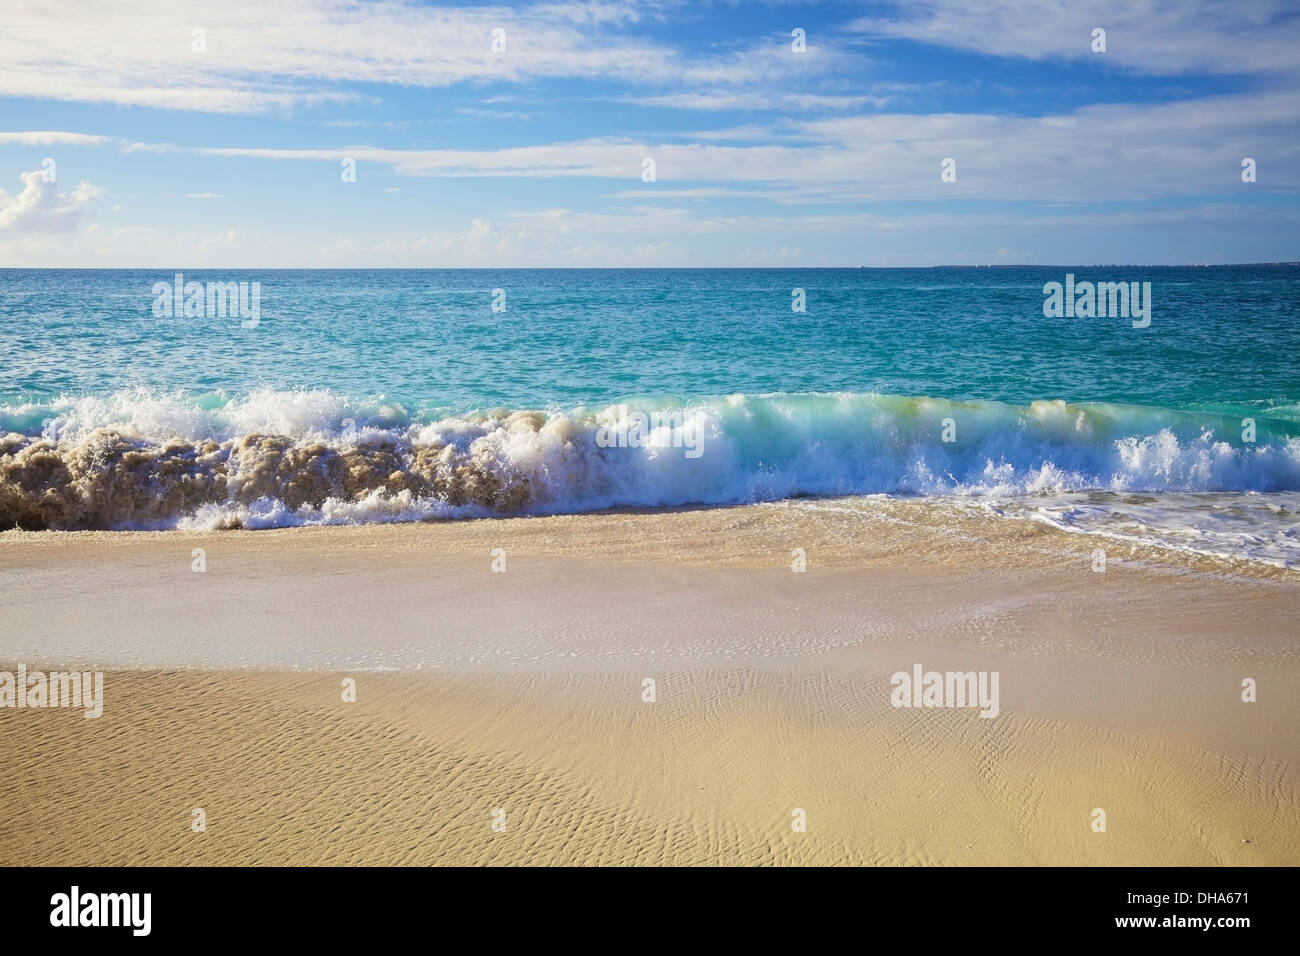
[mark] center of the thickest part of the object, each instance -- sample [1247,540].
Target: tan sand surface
[523,691]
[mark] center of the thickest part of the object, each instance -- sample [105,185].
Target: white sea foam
[1245,526]
[276,458]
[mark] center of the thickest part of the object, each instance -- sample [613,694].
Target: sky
[170,134]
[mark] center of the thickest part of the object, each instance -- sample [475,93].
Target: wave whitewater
[139,460]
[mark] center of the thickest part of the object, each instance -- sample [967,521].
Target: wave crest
[138,460]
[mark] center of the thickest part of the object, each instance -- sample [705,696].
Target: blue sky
[231,155]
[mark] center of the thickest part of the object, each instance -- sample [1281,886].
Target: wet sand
[523,690]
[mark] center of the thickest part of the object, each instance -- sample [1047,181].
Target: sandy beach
[523,690]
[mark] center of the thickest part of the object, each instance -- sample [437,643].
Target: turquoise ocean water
[397,395]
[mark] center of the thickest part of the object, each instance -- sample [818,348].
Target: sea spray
[141,460]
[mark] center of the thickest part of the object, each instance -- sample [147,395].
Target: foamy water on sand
[1235,527]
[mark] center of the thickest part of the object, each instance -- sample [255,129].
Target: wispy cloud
[534,155]
[248,56]
[54,138]
[735,100]
[1108,152]
[1159,37]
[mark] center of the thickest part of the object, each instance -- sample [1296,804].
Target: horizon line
[999,265]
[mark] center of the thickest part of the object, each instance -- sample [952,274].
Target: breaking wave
[143,460]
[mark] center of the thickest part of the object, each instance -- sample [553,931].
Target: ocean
[391,395]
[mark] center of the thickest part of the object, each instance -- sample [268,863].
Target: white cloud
[42,207]
[479,242]
[1110,152]
[53,138]
[644,234]
[343,248]
[1158,37]
[704,192]
[224,240]
[258,56]
[759,100]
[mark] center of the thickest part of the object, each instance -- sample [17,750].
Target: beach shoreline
[523,689]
